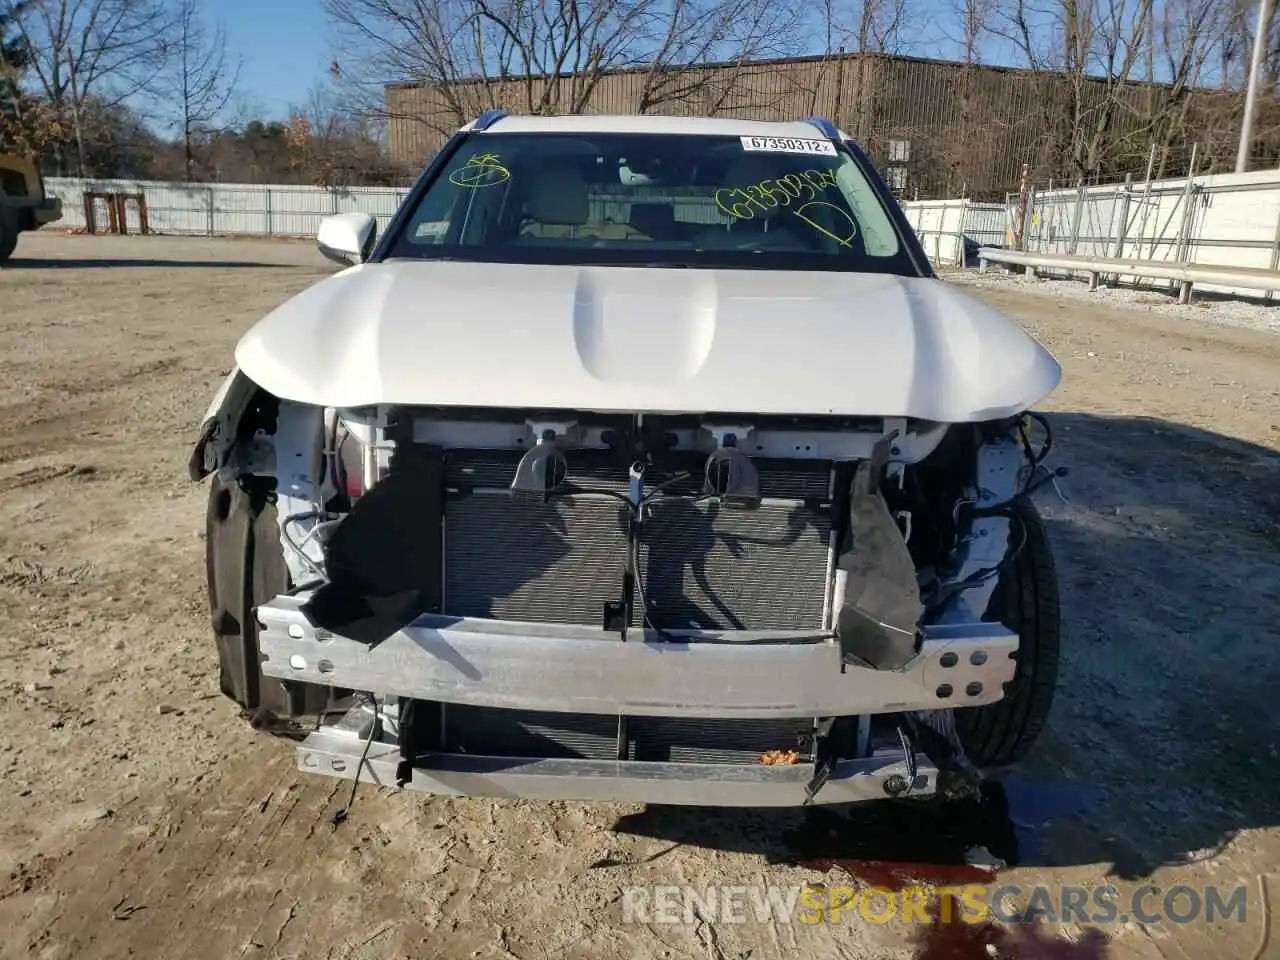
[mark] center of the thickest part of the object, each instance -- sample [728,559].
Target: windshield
[654,200]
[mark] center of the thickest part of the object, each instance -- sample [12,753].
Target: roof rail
[826,126]
[488,119]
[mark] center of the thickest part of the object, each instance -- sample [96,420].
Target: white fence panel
[1222,219]
[943,226]
[208,209]
[1226,219]
[379,202]
[939,225]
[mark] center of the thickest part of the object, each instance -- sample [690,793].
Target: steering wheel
[780,238]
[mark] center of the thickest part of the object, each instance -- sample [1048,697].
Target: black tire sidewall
[1026,601]
[8,230]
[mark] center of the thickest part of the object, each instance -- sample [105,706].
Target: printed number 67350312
[789,145]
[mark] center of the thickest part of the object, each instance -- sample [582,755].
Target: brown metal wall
[422,118]
[970,128]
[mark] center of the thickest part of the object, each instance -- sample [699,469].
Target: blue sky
[285,46]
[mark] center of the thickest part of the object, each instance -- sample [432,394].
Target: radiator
[701,565]
[486,731]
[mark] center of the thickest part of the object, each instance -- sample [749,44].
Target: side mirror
[347,237]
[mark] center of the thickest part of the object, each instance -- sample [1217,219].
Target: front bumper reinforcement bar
[578,669]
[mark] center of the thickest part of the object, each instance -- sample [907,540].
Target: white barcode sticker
[789,145]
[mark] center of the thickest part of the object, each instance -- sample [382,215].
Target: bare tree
[1112,42]
[1119,79]
[549,56]
[1085,52]
[861,27]
[867,26]
[690,35]
[831,47]
[199,78]
[89,52]
[330,147]
[1191,32]
[882,26]
[959,153]
[971,21]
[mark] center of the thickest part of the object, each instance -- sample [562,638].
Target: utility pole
[1255,81]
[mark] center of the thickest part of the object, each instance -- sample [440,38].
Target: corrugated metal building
[938,128]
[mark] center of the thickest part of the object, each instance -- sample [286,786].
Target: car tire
[8,231]
[1026,601]
[245,566]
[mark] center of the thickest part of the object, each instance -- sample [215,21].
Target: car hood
[646,339]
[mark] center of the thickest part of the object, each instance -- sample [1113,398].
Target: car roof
[644,123]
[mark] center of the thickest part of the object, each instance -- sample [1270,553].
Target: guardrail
[1185,274]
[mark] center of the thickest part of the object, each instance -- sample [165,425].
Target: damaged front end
[574,605]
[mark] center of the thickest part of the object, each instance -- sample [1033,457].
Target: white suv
[640,458]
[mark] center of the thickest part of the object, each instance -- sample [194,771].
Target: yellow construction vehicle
[23,204]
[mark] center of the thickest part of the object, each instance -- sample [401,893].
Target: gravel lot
[139,816]
[1253,313]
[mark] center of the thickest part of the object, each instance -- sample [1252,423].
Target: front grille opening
[496,732]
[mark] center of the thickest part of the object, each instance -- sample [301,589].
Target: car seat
[555,203]
[657,221]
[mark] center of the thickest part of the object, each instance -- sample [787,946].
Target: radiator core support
[497,671]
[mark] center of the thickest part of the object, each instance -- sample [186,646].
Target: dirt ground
[139,816]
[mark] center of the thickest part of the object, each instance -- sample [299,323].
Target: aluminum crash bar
[580,669]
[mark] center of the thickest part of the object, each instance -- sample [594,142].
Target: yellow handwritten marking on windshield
[744,203]
[850,229]
[482,170]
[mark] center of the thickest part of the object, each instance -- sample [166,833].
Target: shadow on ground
[1162,742]
[35,263]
